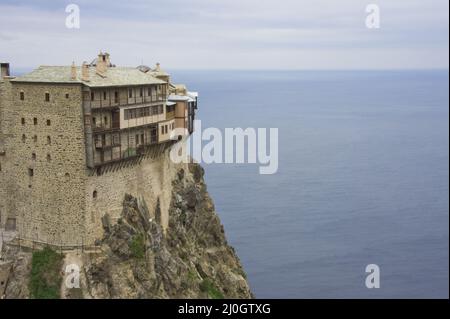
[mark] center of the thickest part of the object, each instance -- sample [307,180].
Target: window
[23,121]
[33,156]
[116,139]
[22,96]
[94,194]
[35,138]
[92,96]
[149,91]
[48,123]
[49,140]
[162,129]
[94,120]
[49,158]
[104,95]
[137,139]
[35,121]
[106,120]
[67,95]
[141,92]
[130,92]
[116,97]
[47,97]
[142,138]
[24,138]
[30,172]
[166,128]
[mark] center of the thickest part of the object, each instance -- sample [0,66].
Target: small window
[24,138]
[116,97]
[33,156]
[92,96]
[49,157]
[22,96]
[49,140]
[67,95]
[141,92]
[47,97]
[30,172]
[35,121]
[35,138]
[94,120]
[94,194]
[130,93]
[106,120]
[23,121]
[48,123]
[104,95]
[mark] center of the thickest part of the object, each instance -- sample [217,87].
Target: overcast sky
[228,34]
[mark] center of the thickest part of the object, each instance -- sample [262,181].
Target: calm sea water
[363,178]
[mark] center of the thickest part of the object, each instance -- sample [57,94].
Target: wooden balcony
[111,104]
[170,115]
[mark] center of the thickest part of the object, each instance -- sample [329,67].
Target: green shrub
[137,246]
[208,287]
[45,279]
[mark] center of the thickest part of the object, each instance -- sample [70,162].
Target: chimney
[73,72]
[4,70]
[85,72]
[102,63]
[158,67]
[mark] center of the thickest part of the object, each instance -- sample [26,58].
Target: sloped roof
[114,76]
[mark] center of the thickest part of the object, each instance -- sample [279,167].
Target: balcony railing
[111,103]
[106,145]
[105,128]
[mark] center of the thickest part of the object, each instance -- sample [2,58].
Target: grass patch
[208,287]
[45,280]
[137,246]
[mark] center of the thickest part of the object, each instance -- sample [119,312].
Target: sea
[363,179]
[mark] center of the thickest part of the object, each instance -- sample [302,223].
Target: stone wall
[44,169]
[149,180]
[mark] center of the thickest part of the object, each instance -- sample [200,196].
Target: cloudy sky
[228,34]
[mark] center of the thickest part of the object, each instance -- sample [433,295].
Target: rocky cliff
[140,259]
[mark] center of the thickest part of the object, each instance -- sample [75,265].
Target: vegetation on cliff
[45,277]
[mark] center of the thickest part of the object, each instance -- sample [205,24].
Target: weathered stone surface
[175,263]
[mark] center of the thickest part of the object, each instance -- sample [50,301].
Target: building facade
[74,139]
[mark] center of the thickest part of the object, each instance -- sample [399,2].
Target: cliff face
[139,259]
